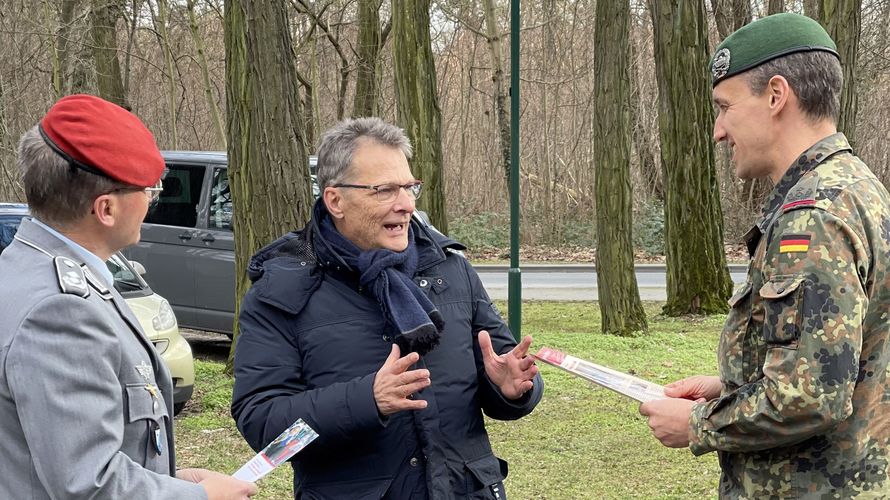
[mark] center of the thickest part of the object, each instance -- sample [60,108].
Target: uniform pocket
[146,423]
[782,300]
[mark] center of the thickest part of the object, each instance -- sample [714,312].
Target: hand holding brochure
[286,445]
[622,383]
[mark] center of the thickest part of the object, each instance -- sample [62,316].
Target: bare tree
[267,169]
[198,40]
[105,15]
[493,38]
[730,15]
[843,21]
[160,22]
[698,280]
[622,311]
[371,38]
[417,101]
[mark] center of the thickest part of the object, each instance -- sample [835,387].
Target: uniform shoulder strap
[70,276]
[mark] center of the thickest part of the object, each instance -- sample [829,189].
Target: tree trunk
[369,45]
[161,28]
[10,185]
[622,311]
[268,172]
[53,52]
[842,20]
[698,280]
[812,8]
[730,15]
[493,39]
[75,67]
[775,7]
[417,101]
[198,40]
[108,69]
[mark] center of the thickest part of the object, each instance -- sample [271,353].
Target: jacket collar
[805,163]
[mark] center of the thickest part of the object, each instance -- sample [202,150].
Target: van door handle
[185,236]
[208,238]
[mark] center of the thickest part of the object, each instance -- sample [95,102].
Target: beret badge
[721,63]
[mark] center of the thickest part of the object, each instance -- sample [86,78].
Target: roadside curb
[581,268]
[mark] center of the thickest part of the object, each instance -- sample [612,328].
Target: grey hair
[338,145]
[815,76]
[57,194]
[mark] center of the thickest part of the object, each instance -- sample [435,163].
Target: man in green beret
[802,404]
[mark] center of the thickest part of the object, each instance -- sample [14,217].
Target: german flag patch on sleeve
[794,243]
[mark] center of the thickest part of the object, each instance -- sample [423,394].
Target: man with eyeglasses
[85,401]
[377,332]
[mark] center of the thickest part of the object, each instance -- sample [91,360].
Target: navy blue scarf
[387,274]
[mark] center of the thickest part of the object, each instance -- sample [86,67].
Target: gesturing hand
[511,372]
[394,383]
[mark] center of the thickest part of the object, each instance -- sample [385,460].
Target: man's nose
[404,200]
[719,132]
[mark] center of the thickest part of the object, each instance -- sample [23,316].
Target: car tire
[177,407]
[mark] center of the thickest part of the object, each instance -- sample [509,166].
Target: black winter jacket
[311,341]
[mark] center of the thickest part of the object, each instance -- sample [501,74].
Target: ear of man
[105,209]
[780,94]
[333,200]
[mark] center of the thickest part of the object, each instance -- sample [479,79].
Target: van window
[178,203]
[220,201]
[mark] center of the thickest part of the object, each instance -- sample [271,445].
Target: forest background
[168,58]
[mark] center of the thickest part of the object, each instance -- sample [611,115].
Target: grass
[580,442]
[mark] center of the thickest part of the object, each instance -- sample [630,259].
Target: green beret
[766,39]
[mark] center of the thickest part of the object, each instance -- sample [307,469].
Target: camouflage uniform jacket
[803,357]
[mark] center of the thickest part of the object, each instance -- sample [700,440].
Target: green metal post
[514,283]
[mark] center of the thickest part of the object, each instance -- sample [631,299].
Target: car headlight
[165,318]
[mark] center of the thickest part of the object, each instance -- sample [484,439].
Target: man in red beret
[85,401]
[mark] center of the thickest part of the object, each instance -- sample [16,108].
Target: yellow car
[159,324]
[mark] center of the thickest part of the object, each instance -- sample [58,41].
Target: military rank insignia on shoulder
[802,195]
[71,277]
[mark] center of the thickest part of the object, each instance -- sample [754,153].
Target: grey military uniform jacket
[83,395]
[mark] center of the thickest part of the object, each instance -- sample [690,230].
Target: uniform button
[424,283]
[439,281]
[780,290]
[414,461]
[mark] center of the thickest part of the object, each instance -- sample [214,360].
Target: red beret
[103,138]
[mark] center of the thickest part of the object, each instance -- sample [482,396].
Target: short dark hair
[815,76]
[57,194]
[338,144]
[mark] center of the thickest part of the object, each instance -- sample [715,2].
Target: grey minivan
[187,244]
[187,241]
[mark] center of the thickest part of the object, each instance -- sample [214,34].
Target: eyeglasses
[153,192]
[388,192]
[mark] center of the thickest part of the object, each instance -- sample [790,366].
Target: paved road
[577,282]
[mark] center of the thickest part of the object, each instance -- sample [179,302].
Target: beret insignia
[721,63]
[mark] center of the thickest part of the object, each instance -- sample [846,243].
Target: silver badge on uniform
[145,371]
